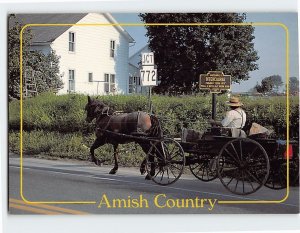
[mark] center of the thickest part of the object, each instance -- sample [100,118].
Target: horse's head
[93,108]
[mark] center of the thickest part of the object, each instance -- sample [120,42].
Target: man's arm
[215,123]
[227,120]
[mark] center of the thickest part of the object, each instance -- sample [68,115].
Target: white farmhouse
[93,59]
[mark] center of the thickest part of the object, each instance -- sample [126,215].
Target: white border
[130,223]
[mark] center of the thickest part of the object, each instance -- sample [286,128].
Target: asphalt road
[70,181]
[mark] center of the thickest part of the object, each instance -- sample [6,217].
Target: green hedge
[65,113]
[44,144]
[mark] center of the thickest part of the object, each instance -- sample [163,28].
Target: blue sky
[269,43]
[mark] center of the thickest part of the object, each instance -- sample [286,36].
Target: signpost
[215,81]
[148,74]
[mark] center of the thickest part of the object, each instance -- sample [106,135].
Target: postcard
[153,113]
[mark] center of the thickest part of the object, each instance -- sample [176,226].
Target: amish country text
[159,201]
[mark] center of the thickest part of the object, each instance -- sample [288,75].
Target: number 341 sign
[148,76]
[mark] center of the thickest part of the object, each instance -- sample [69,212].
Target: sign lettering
[148,76]
[215,81]
[147,59]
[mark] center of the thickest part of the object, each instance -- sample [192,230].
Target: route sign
[147,59]
[215,81]
[148,76]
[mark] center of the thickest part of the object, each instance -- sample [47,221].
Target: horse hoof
[142,170]
[97,162]
[147,177]
[112,171]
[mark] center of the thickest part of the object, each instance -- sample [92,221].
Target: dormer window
[71,41]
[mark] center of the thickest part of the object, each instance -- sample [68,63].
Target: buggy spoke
[251,184]
[232,156]
[241,150]
[196,166]
[175,167]
[168,174]
[243,181]
[249,173]
[237,181]
[157,150]
[172,173]
[174,156]
[199,170]
[162,176]
[207,173]
[157,173]
[172,150]
[229,181]
[237,155]
[252,153]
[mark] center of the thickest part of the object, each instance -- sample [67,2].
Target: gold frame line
[157,24]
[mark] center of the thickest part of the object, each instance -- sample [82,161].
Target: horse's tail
[155,129]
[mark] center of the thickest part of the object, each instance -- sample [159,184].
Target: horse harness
[105,112]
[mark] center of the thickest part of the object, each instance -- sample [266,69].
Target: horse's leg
[146,147]
[143,167]
[97,143]
[115,168]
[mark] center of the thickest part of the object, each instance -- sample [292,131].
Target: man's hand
[214,123]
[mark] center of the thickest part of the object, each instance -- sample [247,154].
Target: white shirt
[234,119]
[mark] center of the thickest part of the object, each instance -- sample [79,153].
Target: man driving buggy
[235,119]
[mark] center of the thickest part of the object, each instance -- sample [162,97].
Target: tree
[44,67]
[294,86]
[182,53]
[14,57]
[270,84]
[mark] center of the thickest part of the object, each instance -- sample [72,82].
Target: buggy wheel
[204,167]
[243,166]
[165,161]
[277,177]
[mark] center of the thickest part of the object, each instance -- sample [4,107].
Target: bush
[54,126]
[66,114]
[72,146]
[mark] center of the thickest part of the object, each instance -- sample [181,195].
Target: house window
[90,77]
[131,86]
[106,83]
[112,83]
[134,83]
[72,41]
[71,81]
[109,83]
[112,48]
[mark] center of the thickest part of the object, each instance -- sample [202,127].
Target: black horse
[111,128]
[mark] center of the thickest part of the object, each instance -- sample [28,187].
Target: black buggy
[243,165]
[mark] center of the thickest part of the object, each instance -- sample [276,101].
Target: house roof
[48,34]
[140,50]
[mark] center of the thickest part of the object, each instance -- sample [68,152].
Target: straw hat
[234,101]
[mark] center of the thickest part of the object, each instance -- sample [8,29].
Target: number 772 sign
[148,76]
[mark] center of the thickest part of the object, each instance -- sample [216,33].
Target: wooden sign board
[215,81]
